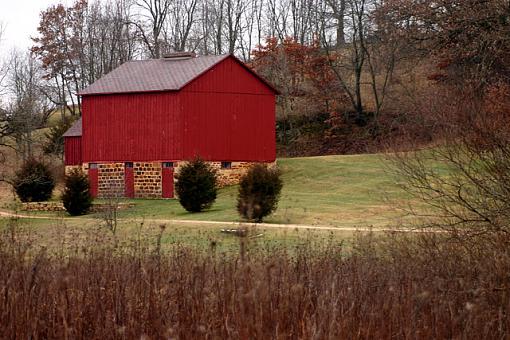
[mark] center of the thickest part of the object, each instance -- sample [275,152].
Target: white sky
[20,19]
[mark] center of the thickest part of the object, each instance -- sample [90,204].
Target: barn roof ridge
[177,59]
[153,75]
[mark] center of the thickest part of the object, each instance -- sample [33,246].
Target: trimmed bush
[259,192]
[196,185]
[76,196]
[34,182]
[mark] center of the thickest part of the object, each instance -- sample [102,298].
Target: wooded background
[354,75]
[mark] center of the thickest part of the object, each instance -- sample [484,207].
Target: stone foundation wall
[110,180]
[233,175]
[227,176]
[59,206]
[69,168]
[147,178]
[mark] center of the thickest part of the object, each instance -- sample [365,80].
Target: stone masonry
[111,180]
[59,206]
[69,168]
[229,176]
[147,177]
[233,175]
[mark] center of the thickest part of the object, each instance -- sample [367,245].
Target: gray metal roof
[152,75]
[74,130]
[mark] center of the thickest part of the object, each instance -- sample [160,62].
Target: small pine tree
[76,196]
[34,182]
[196,186]
[259,192]
[54,144]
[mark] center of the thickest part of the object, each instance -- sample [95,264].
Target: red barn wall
[132,127]
[226,114]
[72,151]
[229,115]
[229,127]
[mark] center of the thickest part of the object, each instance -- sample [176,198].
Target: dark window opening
[92,165]
[226,165]
[168,164]
[129,164]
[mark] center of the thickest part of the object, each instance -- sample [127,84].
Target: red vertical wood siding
[228,77]
[238,127]
[72,151]
[134,127]
[226,114]
[167,182]
[129,182]
[94,182]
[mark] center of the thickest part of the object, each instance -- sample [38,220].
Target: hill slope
[354,190]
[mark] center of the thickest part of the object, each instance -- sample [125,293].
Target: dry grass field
[383,287]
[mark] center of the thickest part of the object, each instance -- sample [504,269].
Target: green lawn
[338,191]
[329,190]
[349,191]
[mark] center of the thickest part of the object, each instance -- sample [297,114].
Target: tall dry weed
[395,286]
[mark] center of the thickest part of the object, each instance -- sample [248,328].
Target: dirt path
[6,214]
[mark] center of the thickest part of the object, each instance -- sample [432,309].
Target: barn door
[167,179]
[93,179]
[129,180]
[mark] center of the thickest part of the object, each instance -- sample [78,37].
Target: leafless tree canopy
[77,44]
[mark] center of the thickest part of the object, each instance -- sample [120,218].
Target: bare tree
[348,64]
[302,12]
[156,13]
[210,20]
[78,44]
[180,24]
[4,128]
[234,11]
[337,8]
[248,19]
[204,28]
[223,26]
[218,15]
[277,18]
[369,51]
[463,186]
[109,40]
[3,66]
[28,109]
[109,212]
[55,46]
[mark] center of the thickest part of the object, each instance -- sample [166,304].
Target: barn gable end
[230,76]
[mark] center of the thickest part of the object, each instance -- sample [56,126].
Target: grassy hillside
[338,191]
[329,190]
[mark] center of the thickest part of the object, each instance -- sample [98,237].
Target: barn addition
[144,119]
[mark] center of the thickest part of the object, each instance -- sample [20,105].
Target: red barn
[143,119]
